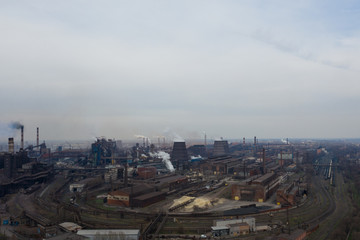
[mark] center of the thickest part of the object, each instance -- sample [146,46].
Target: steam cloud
[165,159]
[173,135]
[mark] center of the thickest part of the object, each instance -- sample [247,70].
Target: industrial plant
[218,189]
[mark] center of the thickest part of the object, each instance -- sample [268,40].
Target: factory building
[233,227]
[146,172]
[18,170]
[221,148]
[171,182]
[258,190]
[220,165]
[286,195]
[135,196]
[102,151]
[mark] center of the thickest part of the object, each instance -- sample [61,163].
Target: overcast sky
[274,69]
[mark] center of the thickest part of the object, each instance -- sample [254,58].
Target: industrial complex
[265,189]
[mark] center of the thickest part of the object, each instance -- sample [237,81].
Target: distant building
[116,234]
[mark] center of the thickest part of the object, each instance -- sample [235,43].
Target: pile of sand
[203,203]
[181,200]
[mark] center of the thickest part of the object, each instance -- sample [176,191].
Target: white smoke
[143,137]
[165,159]
[173,135]
[195,157]
[139,136]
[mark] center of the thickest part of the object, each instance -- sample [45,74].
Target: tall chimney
[11,145]
[37,136]
[243,141]
[22,137]
[255,141]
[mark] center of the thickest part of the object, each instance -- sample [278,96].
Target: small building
[237,229]
[218,231]
[70,226]
[77,187]
[120,234]
[250,221]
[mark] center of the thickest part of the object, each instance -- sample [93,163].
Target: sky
[81,69]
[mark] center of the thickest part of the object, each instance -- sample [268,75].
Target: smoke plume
[165,159]
[16,125]
[173,135]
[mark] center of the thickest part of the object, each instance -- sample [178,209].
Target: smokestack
[22,137]
[255,141]
[37,136]
[287,141]
[11,145]
[243,141]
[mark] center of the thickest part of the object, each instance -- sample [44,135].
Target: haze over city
[274,69]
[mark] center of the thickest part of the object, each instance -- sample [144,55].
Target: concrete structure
[179,155]
[221,147]
[120,234]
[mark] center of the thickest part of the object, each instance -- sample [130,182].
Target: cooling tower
[179,155]
[221,147]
